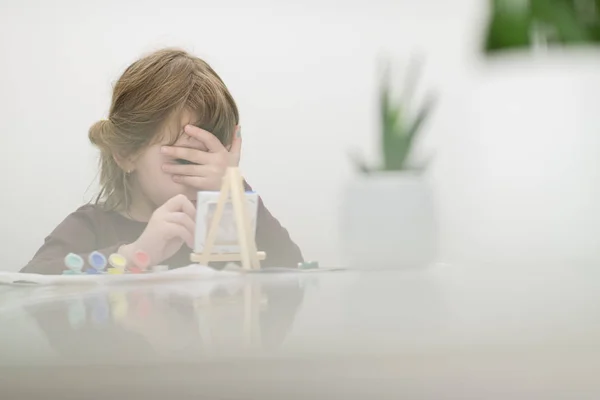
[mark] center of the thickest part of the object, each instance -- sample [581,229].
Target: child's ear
[125,163]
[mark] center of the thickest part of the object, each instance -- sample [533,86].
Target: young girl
[172,131]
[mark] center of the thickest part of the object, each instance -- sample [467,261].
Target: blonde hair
[151,91]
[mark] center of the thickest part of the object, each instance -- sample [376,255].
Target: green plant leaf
[412,79]
[555,22]
[507,27]
[561,16]
[421,118]
[397,135]
[359,163]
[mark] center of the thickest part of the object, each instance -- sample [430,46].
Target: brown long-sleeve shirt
[92,228]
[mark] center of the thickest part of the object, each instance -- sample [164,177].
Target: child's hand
[170,226]
[208,167]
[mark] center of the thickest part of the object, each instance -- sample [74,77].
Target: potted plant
[387,217]
[523,24]
[521,175]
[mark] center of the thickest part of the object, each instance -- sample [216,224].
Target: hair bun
[100,132]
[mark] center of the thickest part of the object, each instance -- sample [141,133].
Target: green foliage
[515,24]
[399,127]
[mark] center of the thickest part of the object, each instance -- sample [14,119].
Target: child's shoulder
[93,213]
[92,209]
[86,218]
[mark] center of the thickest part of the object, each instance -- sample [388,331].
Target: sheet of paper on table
[193,271]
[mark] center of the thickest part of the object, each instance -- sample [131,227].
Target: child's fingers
[182,219]
[189,170]
[180,203]
[196,182]
[213,144]
[180,231]
[195,156]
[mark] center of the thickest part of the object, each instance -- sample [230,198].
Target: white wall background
[303,74]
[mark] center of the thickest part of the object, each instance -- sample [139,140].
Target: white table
[447,332]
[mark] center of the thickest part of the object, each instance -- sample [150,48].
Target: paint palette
[115,264]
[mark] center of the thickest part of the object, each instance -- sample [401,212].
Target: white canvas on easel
[226,240]
[232,192]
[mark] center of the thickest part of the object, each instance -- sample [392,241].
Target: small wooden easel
[232,187]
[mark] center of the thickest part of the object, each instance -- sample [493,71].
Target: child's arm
[76,234]
[274,239]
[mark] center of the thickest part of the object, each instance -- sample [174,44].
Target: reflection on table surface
[444,330]
[184,320]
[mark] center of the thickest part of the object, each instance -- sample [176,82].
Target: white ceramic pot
[518,177]
[387,221]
